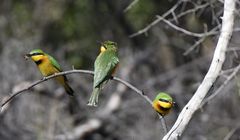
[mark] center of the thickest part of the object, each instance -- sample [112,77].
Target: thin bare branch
[230,134]
[202,40]
[229,78]
[191,10]
[133,3]
[144,30]
[140,92]
[200,35]
[194,46]
[170,11]
[198,42]
[164,124]
[71,72]
[42,80]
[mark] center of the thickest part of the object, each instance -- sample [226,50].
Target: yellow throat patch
[37,57]
[103,49]
[165,104]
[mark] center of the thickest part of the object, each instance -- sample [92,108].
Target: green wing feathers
[54,63]
[64,82]
[104,67]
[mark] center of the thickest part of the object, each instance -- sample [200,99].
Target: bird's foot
[92,104]
[111,77]
[44,78]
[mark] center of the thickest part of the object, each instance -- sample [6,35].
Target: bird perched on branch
[162,103]
[48,66]
[104,67]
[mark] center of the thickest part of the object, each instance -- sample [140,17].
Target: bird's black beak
[174,103]
[26,56]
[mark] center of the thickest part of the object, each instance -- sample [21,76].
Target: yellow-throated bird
[48,66]
[163,103]
[104,66]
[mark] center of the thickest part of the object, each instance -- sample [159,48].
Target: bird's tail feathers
[68,89]
[93,101]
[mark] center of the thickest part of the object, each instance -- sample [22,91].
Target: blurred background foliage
[72,30]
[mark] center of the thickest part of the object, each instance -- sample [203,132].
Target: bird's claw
[44,78]
[94,104]
[111,77]
[160,116]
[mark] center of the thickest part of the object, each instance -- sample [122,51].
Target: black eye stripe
[36,54]
[163,100]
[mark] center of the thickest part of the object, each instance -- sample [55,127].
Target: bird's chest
[46,68]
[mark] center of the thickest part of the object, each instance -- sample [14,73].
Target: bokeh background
[156,60]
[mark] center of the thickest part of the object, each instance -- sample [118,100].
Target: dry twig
[200,35]
[230,134]
[170,11]
[229,78]
[134,2]
[144,30]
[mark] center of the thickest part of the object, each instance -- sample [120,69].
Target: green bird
[104,67]
[162,103]
[48,66]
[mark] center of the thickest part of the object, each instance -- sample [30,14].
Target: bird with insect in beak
[49,66]
[163,103]
[104,67]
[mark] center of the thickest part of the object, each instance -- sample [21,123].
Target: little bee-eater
[104,66]
[163,103]
[48,66]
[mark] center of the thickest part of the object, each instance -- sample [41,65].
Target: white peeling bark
[213,72]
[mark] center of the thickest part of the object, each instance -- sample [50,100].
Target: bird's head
[108,45]
[164,100]
[35,55]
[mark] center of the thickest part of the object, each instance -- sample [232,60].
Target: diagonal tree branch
[134,2]
[144,30]
[41,81]
[200,35]
[211,76]
[92,124]
[170,11]
[229,78]
[141,93]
